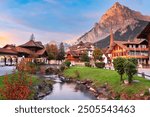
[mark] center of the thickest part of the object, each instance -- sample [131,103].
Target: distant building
[74,52]
[31,50]
[7,57]
[106,58]
[34,48]
[145,34]
[129,49]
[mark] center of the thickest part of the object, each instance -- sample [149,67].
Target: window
[134,46]
[130,46]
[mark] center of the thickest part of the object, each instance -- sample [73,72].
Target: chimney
[111,38]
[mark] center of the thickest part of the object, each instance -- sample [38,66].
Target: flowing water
[67,91]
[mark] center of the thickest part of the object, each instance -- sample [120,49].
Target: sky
[54,20]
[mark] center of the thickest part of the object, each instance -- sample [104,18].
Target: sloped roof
[7,51]
[73,53]
[136,41]
[81,45]
[32,44]
[9,45]
[73,47]
[40,44]
[41,52]
[119,43]
[22,50]
[123,44]
[145,32]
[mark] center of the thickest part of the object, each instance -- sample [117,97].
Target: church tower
[111,38]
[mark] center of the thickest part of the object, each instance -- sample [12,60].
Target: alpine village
[110,62]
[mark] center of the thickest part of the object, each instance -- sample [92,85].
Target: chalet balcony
[117,51]
[138,49]
[138,56]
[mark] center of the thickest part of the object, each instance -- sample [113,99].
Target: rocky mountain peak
[120,19]
[117,5]
[119,14]
[116,15]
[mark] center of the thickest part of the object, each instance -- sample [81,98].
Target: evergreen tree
[61,52]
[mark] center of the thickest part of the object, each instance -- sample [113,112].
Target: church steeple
[32,37]
[111,38]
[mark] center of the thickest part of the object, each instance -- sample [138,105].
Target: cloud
[19,34]
[16,31]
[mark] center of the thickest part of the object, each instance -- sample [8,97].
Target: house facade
[145,34]
[130,49]
[74,52]
[8,57]
[30,51]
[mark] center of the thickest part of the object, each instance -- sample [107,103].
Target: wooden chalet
[19,50]
[30,51]
[72,56]
[33,50]
[32,45]
[145,34]
[74,52]
[130,49]
[7,57]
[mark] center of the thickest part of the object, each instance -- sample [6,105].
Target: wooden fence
[144,75]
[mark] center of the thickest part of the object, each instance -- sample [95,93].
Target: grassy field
[101,76]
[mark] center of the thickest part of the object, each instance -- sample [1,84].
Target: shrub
[32,67]
[29,67]
[146,93]
[42,70]
[100,64]
[62,67]
[16,87]
[133,60]
[52,71]
[84,57]
[119,66]
[67,63]
[130,70]
[87,64]
[49,71]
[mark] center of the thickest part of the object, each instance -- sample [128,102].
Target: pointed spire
[32,37]
[111,38]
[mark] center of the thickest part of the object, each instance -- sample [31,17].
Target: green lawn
[101,76]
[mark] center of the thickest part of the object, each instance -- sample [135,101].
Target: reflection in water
[68,91]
